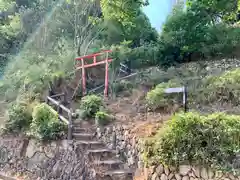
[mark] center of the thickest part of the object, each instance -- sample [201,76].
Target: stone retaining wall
[53,160]
[125,143]
[128,148]
[186,172]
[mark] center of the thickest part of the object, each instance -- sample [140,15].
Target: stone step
[5,177]
[90,144]
[77,129]
[121,174]
[83,136]
[101,154]
[107,165]
[82,124]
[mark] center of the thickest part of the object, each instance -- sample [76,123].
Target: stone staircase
[103,160]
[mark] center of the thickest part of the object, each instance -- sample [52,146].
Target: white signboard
[175,90]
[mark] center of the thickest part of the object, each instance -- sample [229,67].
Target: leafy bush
[122,85]
[19,117]
[102,118]
[157,98]
[45,124]
[90,105]
[192,138]
[224,88]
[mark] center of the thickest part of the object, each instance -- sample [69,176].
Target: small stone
[184,169]
[204,174]
[164,177]
[160,169]
[185,178]
[130,161]
[155,177]
[192,178]
[218,174]
[231,177]
[166,170]
[191,174]
[140,164]
[178,177]
[170,176]
[210,174]
[196,171]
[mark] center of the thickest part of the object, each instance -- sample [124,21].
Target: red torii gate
[82,66]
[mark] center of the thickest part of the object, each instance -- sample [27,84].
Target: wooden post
[185,104]
[70,125]
[59,108]
[83,78]
[114,140]
[106,77]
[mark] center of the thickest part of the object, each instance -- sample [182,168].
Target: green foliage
[196,33]
[45,124]
[224,88]
[19,117]
[122,85]
[90,105]
[102,118]
[192,138]
[157,98]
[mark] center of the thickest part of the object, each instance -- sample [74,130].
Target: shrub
[123,85]
[224,88]
[102,118]
[19,118]
[192,138]
[157,98]
[90,105]
[45,124]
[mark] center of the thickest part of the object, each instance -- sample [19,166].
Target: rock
[155,177]
[185,178]
[166,170]
[218,174]
[191,174]
[31,149]
[57,168]
[184,169]
[204,173]
[210,174]
[140,164]
[99,133]
[170,176]
[178,176]
[164,177]
[130,161]
[231,177]
[196,171]
[160,169]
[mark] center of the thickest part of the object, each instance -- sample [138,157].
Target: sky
[157,12]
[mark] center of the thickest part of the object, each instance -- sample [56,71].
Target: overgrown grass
[204,90]
[32,70]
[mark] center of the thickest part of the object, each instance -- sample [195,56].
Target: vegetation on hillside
[42,37]
[191,138]
[39,40]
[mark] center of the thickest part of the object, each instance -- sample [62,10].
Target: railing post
[46,100]
[70,125]
[114,140]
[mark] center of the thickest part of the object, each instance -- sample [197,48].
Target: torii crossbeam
[94,63]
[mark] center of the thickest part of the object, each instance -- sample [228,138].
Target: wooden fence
[61,110]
